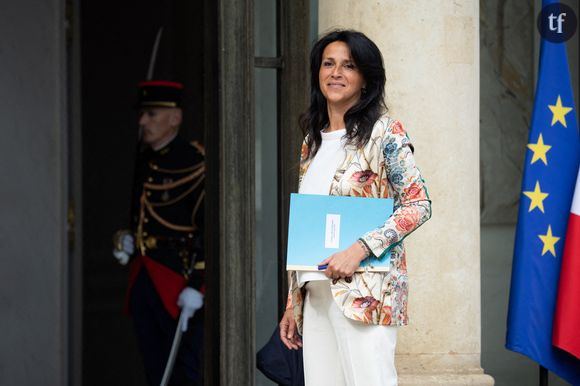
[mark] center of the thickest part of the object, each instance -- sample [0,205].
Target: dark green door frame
[230,348]
[230,140]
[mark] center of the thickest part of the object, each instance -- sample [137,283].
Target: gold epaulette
[199,147]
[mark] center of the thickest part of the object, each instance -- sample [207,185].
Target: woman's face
[339,78]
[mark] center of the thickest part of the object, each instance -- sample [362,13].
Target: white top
[318,178]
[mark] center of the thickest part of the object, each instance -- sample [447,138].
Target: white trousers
[339,351]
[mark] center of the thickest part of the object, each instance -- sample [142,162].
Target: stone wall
[431,53]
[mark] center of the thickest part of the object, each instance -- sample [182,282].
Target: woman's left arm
[411,209]
[412,205]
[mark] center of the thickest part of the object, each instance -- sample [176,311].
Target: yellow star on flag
[537,197]
[549,241]
[559,112]
[540,149]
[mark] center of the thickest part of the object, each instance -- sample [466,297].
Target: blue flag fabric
[550,171]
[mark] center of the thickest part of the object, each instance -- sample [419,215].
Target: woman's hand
[288,332]
[344,263]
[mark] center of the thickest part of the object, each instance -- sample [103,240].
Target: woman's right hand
[288,332]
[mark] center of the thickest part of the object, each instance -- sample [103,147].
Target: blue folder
[320,226]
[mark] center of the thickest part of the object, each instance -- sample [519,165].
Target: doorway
[116,43]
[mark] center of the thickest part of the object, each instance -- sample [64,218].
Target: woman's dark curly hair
[361,117]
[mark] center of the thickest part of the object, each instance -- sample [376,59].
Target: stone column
[431,54]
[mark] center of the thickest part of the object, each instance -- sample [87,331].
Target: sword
[173,352]
[176,337]
[154,54]
[150,69]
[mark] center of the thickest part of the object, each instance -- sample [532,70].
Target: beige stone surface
[446,380]
[431,53]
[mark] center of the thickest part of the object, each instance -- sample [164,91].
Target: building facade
[68,69]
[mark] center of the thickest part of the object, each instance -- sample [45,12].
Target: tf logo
[557,22]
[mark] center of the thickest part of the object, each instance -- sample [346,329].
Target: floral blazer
[384,167]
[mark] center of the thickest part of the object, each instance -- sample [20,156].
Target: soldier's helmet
[159,93]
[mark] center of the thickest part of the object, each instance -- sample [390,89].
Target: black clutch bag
[279,363]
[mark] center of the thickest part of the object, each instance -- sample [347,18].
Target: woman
[348,320]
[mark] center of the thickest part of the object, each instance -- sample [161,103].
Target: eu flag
[550,171]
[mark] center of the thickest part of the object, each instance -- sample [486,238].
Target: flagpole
[543,376]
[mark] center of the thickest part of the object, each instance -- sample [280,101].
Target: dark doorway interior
[116,44]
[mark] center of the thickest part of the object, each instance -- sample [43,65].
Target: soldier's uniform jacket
[167,218]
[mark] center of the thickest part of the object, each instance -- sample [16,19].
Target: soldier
[165,240]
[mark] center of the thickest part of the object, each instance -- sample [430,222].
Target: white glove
[128,244]
[121,256]
[190,300]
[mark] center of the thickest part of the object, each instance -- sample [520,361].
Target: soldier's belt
[154,242]
[178,243]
